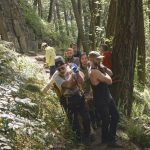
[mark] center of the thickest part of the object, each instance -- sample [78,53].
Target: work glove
[74,68]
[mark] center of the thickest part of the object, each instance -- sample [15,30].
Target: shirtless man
[103,101]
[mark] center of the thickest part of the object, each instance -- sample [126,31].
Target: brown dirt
[127,145]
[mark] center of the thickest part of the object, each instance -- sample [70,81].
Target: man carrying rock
[68,83]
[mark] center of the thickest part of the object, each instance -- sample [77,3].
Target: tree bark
[86,19]
[66,20]
[71,20]
[35,2]
[79,38]
[149,14]
[111,21]
[141,46]
[55,20]
[124,52]
[80,25]
[92,35]
[50,14]
[59,18]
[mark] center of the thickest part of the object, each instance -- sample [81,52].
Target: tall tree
[92,34]
[149,13]
[80,12]
[141,46]
[49,19]
[80,25]
[124,51]
[55,20]
[59,16]
[111,21]
[86,18]
[40,8]
[72,22]
[66,19]
[39,4]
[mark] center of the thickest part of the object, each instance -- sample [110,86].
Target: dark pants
[75,106]
[109,116]
[52,70]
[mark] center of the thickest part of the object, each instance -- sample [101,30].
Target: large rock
[13,27]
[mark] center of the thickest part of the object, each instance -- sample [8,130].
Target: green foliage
[32,18]
[137,127]
[28,118]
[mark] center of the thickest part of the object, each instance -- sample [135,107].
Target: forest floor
[96,145]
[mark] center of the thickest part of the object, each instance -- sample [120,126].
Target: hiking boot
[114,145]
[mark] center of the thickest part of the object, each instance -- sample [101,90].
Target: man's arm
[50,84]
[47,87]
[103,78]
[108,71]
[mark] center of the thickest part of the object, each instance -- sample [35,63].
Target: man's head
[95,58]
[44,45]
[60,65]
[103,48]
[69,53]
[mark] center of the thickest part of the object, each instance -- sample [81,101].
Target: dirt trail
[96,145]
[127,145]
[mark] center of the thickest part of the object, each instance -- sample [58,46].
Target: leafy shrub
[28,118]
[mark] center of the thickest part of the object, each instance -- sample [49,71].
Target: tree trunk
[59,18]
[79,25]
[79,38]
[66,20]
[141,46]
[86,19]
[50,14]
[3,31]
[92,35]
[72,24]
[35,2]
[111,21]
[124,52]
[149,14]
[55,20]
[40,8]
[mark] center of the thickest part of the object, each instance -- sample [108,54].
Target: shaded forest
[30,119]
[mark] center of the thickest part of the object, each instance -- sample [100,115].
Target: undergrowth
[138,126]
[28,118]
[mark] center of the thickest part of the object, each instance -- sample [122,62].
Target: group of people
[82,83]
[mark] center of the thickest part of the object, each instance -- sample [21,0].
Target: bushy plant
[28,118]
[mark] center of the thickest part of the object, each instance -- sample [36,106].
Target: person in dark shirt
[77,52]
[70,59]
